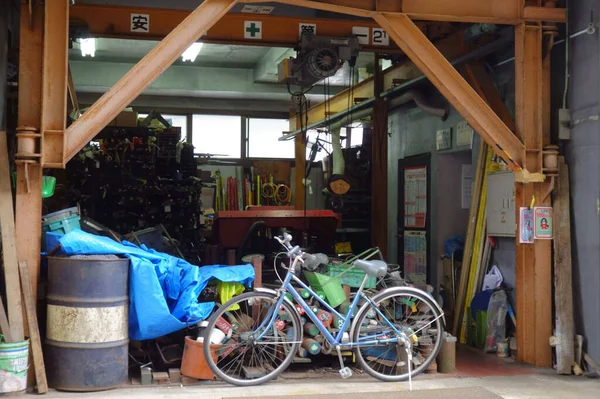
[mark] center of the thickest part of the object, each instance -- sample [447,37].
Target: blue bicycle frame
[337,340]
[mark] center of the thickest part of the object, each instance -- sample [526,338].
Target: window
[263,135]
[324,147]
[219,135]
[175,120]
[356,139]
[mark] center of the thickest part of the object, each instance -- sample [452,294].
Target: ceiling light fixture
[192,52]
[88,47]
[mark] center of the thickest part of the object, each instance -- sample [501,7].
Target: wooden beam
[533,262]
[481,11]
[9,246]
[34,331]
[144,73]
[563,273]
[277,31]
[454,87]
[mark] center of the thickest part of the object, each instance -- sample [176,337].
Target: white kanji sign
[380,37]
[310,28]
[253,30]
[140,23]
[362,34]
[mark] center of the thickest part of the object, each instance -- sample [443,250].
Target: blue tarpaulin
[163,289]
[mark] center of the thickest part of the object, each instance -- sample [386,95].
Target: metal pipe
[144,73]
[355,111]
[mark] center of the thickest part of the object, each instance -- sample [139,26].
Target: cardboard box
[126,119]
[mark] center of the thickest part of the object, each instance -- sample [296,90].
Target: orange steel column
[533,263]
[55,83]
[29,171]
[453,86]
[143,74]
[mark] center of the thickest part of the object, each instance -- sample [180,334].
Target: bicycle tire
[222,311]
[438,328]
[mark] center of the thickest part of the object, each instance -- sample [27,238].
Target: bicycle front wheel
[252,351]
[411,312]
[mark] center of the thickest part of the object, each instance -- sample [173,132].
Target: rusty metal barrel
[87,339]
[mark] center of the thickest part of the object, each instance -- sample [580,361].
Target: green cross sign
[253,29]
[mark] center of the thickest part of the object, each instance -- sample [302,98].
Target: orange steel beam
[533,261]
[115,21]
[28,200]
[144,73]
[54,83]
[453,86]
[508,12]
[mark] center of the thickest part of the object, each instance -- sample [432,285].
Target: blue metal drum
[87,334]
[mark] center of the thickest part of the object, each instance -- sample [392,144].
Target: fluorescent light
[192,52]
[88,47]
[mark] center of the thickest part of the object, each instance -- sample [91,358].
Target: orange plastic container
[194,363]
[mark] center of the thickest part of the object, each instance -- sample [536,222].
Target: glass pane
[219,135]
[263,135]
[324,146]
[178,121]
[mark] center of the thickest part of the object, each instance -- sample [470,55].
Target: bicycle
[262,330]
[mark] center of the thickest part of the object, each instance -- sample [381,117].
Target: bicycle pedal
[346,372]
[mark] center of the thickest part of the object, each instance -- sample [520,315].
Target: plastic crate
[330,286]
[351,276]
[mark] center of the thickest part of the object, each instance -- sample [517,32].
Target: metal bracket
[53,149]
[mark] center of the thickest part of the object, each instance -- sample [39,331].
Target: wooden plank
[4,326]
[563,273]
[467,253]
[281,170]
[34,331]
[9,247]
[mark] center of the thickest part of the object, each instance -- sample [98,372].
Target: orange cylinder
[194,363]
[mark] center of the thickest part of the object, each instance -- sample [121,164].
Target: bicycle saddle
[373,268]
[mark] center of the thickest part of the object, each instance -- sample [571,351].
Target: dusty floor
[528,386]
[504,377]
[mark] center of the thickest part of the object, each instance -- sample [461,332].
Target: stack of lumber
[477,250]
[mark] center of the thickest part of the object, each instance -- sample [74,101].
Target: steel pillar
[454,87]
[533,263]
[54,83]
[145,72]
[28,228]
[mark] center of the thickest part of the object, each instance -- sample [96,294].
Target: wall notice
[415,197]
[415,256]
[526,226]
[543,223]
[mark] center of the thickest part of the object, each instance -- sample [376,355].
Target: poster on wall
[526,226]
[415,197]
[543,223]
[415,256]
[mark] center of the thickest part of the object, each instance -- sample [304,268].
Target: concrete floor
[529,386]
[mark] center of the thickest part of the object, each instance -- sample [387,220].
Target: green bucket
[14,362]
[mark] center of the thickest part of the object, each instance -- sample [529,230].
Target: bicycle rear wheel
[412,312]
[243,358]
